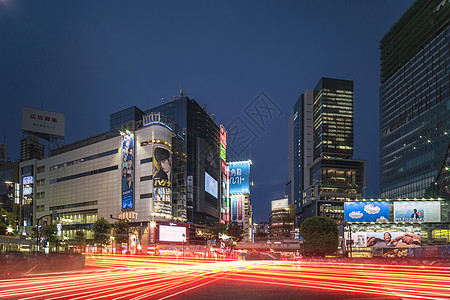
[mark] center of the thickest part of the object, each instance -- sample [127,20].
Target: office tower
[414,100]
[201,144]
[322,173]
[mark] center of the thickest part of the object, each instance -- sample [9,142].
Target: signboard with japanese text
[417,211]
[42,121]
[240,177]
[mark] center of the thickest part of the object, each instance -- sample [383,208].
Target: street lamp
[9,230]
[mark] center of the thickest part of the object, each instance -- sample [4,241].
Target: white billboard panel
[172,233]
[42,121]
[417,211]
[280,204]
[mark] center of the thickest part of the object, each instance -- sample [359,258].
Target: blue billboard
[366,211]
[240,177]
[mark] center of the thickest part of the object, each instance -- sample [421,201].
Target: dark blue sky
[88,59]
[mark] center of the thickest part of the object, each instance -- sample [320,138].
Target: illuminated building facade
[414,100]
[202,182]
[281,220]
[239,189]
[322,173]
[123,174]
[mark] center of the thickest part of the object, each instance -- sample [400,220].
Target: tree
[50,233]
[120,233]
[102,233]
[320,236]
[230,233]
[80,240]
[6,220]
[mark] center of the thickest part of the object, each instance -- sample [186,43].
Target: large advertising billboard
[417,211]
[174,234]
[127,167]
[280,204]
[162,184]
[211,186]
[42,121]
[240,177]
[237,208]
[384,239]
[366,211]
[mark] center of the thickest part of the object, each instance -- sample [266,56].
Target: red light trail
[143,277]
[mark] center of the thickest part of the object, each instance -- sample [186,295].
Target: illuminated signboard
[27,190]
[162,184]
[417,211]
[385,239]
[28,180]
[127,167]
[240,177]
[366,211]
[280,204]
[169,233]
[223,152]
[237,208]
[223,136]
[210,185]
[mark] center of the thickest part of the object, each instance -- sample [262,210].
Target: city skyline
[86,64]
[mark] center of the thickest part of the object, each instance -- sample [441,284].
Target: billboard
[42,121]
[237,208]
[127,167]
[240,177]
[173,234]
[162,184]
[366,211]
[280,204]
[417,211]
[384,239]
[210,185]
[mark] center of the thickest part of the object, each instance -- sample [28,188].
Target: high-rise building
[414,100]
[201,144]
[322,173]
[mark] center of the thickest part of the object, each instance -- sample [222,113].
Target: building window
[146,160]
[41,169]
[145,178]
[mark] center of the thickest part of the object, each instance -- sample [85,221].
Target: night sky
[88,59]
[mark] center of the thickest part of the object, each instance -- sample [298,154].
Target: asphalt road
[142,277]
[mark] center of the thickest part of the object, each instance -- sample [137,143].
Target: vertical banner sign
[127,168]
[162,185]
[240,177]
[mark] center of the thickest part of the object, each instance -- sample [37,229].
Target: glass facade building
[414,100]
[322,173]
[333,118]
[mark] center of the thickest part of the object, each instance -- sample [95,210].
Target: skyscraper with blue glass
[414,100]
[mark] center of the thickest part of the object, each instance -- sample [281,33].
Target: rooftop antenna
[182,91]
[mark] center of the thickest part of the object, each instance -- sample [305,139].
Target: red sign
[223,136]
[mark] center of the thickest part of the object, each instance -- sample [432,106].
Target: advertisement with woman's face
[162,184]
